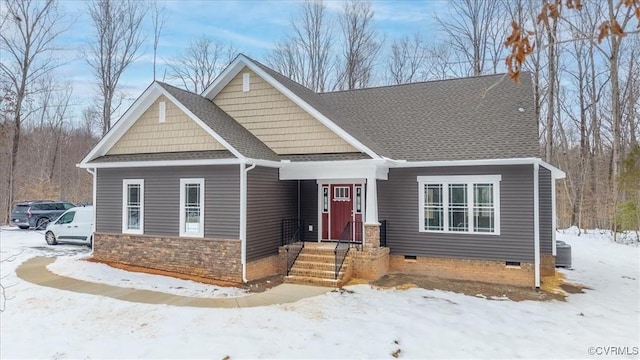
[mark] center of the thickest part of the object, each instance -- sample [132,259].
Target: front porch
[333,262]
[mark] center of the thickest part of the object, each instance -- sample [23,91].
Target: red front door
[341,210]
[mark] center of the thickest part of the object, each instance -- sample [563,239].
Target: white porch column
[371,206]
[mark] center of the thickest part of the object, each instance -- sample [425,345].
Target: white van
[75,224]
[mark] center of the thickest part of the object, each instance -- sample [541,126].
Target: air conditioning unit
[563,254]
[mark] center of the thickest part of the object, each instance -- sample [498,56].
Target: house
[260,175]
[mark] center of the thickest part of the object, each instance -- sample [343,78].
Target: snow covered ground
[364,322]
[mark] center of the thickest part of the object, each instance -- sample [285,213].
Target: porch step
[316,265]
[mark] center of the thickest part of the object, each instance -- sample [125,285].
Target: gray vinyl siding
[398,204]
[269,200]
[546,211]
[162,199]
[309,208]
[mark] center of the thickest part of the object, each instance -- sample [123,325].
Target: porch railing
[291,231]
[383,233]
[351,235]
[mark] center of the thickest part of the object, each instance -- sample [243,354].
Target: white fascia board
[121,126]
[295,171]
[160,163]
[443,163]
[241,61]
[556,173]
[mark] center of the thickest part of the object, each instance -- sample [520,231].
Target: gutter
[243,217]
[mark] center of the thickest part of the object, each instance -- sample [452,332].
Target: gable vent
[245,82]
[162,114]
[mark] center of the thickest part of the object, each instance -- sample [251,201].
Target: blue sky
[252,27]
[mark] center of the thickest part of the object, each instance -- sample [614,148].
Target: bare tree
[117,38]
[361,46]
[201,62]
[305,55]
[468,30]
[407,60]
[158,17]
[30,29]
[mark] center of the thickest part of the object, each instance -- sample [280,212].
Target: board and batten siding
[269,200]
[398,204]
[277,121]
[546,210]
[162,199]
[177,133]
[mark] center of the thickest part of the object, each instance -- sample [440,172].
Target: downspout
[93,227]
[243,218]
[536,223]
[554,219]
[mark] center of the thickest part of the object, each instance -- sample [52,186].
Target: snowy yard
[365,322]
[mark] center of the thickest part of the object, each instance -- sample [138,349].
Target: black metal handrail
[291,233]
[383,233]
[351,234]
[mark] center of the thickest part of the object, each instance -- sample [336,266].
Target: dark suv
[38,214]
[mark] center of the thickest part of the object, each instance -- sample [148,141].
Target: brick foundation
[372,235]
[463,269]
[207,258]
[263,267]
[369,263]
[547,264]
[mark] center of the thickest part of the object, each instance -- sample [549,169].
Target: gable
[274,119]
[177,133]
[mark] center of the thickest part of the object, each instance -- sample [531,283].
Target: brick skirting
[463,269]
[263,267]
[207,258]
[547,265]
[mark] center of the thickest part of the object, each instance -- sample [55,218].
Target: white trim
[243,218]
[125,204]
[555,172]
[161,163]
[337,170]
[536,223]
[183,231]
[469,181]
[241,61]
[142,103]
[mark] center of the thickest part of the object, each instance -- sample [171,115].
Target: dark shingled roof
[223,124]
[458,119]
[484,117]
[181,155]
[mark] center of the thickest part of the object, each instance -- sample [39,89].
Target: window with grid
[133,206]
[192,207]
[463,204]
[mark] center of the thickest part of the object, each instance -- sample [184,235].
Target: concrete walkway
[35,271]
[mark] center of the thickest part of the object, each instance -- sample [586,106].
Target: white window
[341,193]
[133,206]
[192,207]
[467,204]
